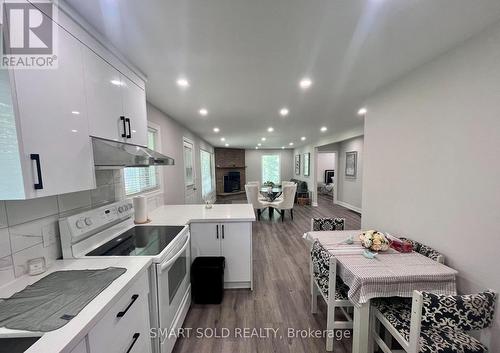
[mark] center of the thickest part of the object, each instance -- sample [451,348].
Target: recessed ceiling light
[227,145]
[74,130]
[263,139]
[362,111]
[270,129]
[117,82]
[203,112]
[223,139]
[282,147]
[284,112]
[256,147]
[216,129]
[323,129]
[305,83]
[290,144]
[182,82]
[303,138]
[259,144]
[75,112]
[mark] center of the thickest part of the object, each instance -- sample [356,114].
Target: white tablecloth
[390,274]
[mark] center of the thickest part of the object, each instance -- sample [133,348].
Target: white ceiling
[244,58]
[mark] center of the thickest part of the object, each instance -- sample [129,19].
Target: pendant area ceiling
[244,59]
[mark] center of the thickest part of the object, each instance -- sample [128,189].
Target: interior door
[190,191]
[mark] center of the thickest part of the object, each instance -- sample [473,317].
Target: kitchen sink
[16,345]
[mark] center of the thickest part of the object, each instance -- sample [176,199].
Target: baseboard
[349,206]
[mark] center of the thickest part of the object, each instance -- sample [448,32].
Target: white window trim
[212,161]
[262,169]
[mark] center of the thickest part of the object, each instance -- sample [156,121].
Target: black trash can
[207,279]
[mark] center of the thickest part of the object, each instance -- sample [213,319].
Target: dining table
[389,274]
[271,193]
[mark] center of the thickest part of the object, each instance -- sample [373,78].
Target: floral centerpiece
[374,240]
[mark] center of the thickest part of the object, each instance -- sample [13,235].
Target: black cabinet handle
[223,231]
[36,157]
[129,135]
[135,338]
[122,313]
[217,231]
[124,134]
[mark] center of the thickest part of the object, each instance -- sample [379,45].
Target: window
[206,174]
[271,168]
[143,179]
[188,163]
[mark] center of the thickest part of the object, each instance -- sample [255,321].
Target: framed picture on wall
[307,159]
[351,160]
[297,164]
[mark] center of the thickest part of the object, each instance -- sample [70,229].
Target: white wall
[326,161]
[172,134]
[431,161]
[254,164]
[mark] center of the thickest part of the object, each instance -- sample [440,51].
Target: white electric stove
[110,231]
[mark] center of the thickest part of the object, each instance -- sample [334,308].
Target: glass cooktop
[139,241]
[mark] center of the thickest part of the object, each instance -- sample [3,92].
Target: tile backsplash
[30,228]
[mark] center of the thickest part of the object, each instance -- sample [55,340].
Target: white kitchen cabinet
[134,109]
[45,139]
[117,106]
[233,240]
[81,347]
[104,98]
[125,327]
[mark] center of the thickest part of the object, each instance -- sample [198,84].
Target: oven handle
[172,260]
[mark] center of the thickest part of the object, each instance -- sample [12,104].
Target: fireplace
[232,182]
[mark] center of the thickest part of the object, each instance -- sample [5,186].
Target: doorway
[326,175]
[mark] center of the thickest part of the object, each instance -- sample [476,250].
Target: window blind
[138,180]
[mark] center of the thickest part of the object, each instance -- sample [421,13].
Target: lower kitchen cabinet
[233,240]
[125,327]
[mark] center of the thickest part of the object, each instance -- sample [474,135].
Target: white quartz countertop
[67,337]
[185,214]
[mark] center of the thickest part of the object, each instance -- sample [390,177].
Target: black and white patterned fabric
[321,271]
[432,339]
[463,312]
[424,249]
[320,224]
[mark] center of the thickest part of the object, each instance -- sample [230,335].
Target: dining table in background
[389,274]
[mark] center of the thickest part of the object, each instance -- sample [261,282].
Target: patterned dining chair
[425,250]
[435,323]
[319,224]
[323,273]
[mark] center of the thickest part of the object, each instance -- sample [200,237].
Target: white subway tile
[104,177]
[73,201]
[6,270]
[27,210]
[21,258]
[4,242]
[102,195]
[3,215]
[42,231]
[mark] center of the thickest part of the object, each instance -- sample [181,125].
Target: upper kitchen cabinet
[44,137]
[117,106]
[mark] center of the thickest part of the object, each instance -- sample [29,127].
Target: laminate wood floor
[280,299]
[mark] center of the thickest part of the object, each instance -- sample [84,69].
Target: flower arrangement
[374,240]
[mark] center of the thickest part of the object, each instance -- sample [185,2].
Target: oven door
[174,296]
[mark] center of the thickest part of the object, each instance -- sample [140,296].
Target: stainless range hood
[114,154]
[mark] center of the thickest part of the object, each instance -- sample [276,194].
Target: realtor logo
[28,34]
